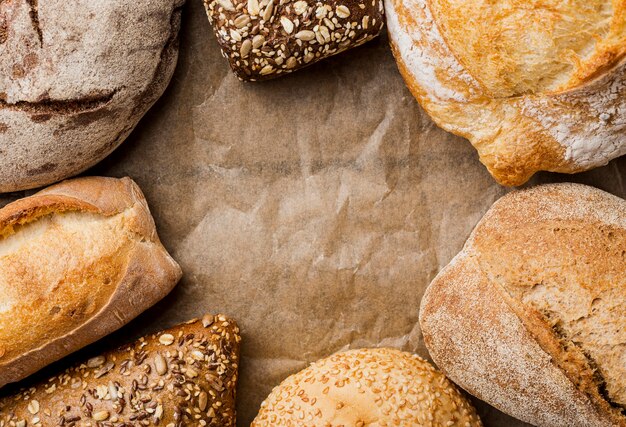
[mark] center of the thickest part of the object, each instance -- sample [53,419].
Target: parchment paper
[314,209]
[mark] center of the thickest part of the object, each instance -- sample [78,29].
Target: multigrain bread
[382,387]
[184,376]
[264,39]
[534,85]
[78,260]
[75,78]
[531,315]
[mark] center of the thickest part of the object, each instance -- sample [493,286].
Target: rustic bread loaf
[531,315]
[382,387]
[263,39]
[183,376]
[534,86]
[75,78]
[77,261]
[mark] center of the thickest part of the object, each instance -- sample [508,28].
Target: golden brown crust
[78,260]
[512,152]
[530,315]
[552,102]
[186,375]
[376,386]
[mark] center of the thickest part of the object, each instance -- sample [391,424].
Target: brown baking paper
[314,209]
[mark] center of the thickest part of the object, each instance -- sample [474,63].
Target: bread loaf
[534,85]
[377,387]
[75,78]
[78,260]
[184,376]
[531,315]
[263,39]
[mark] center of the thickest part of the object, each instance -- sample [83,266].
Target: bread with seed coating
[265,39]
[78,260]
[375,386]
[183,376]
[531,315]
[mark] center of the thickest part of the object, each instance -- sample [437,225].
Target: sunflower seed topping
[189,382]
[287,24]
[269,9]
[33,407]
[242,21]
[166,339]
[342,12]
[266,38]
[253,7]
[305,35]
[100,415]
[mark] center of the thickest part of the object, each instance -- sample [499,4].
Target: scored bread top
[367,387]
[54,52]
[534,86]
[569,269]
[183,376]
[531,315]
[77,261]
[75,78]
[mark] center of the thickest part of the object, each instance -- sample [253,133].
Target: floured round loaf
[368,387]
[78,260]
[534,85]
[531,315]
[75,78]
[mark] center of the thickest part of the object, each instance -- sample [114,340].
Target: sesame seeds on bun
[367,387]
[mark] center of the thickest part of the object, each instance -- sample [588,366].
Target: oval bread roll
[75,78]
[368,387]
[263,39]
[184,376]
[531,315]
[78,260]
[534,85]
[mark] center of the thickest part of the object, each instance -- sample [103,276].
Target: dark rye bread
[263,39]
[531,315]
[183,376]
[75,78]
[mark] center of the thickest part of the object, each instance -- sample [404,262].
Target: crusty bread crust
[186,375]
[484,327]
[41,321]
[571,125]
[75,79]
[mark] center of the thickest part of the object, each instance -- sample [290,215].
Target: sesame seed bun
[367,387]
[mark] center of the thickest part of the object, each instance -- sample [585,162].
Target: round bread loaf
[75,78]
[368,387]
[531,315]
[534,85]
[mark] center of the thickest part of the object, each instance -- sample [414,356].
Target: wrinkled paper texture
[314,209]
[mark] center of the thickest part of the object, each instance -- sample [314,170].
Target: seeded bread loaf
[382,387]
[531,315]
[75,78]
[183,376]
[78,260]
[534,85]
[263,39]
